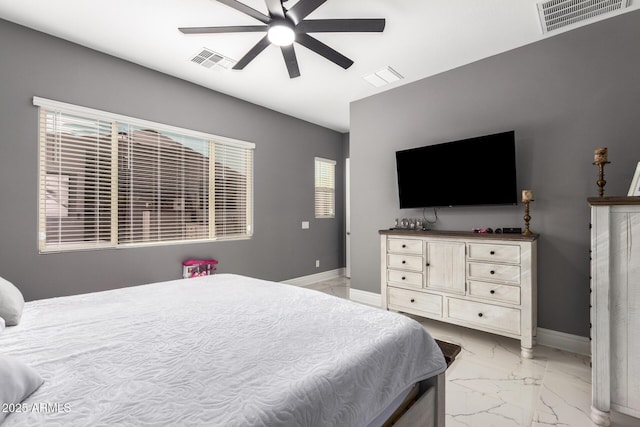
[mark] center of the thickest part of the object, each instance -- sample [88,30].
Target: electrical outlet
[305,225]
[317,263]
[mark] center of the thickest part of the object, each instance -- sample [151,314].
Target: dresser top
[608,201]
[460,234]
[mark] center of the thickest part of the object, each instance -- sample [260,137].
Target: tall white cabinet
[615,307]
[481,281]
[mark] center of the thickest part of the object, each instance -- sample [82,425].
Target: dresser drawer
[405,262]
[405,278]
[485,315]
[499,272]
[406,246]
[400,299]
[503,293]
[494,253]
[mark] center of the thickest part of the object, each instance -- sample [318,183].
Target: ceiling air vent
[555,14]
[208,59]
[383,77]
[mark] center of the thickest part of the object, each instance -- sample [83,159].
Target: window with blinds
[325,188]
[108,181]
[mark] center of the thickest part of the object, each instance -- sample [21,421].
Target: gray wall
[34,64]
[564,96]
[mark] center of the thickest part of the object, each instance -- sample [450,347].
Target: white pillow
[1,324]
[11,303]
[17,382]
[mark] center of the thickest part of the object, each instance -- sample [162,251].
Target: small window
[325,188]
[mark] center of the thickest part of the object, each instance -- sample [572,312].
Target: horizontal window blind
[233,206]
[109,183]
[75,181]
[325,184]
[162,186]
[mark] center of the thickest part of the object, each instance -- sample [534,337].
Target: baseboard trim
[365,297]
[546,337]
[564,341]
[313,278]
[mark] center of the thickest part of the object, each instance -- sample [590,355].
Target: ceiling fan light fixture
[281,34]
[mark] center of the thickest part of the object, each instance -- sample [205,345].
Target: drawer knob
[404,246]
[427,264]
[492,252]
[492,272]
[404,278]
[479,314]
[413,300]
[491,291]
[404,262]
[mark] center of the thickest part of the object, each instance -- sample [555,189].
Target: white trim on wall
[313,278]
[365,297]
[546,337]
[564,341]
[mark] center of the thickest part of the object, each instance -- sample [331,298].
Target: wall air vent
[209,59]
[556,14]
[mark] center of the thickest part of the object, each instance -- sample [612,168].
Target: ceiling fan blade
[341,26]
[241,7]
[323,50]
[302,9]
[275,8]
[255,50]
[232,29]
[290,59]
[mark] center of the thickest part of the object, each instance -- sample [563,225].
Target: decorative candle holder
[601,181]
[527,197]
[600,159]
[527,218]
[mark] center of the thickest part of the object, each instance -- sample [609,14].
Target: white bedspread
[223,350]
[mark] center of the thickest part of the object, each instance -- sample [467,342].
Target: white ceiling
[421,38]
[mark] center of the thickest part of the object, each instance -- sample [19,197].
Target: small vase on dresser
[615,307]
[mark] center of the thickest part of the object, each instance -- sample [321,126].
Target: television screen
[474,171]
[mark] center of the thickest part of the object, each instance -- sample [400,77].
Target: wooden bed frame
[424,406]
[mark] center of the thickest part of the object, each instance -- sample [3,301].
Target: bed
[223,350]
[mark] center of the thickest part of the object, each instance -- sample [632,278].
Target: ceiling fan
[284,27]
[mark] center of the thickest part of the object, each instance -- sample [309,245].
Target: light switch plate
[305,225]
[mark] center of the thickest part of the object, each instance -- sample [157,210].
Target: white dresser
[615,307]
[481,281]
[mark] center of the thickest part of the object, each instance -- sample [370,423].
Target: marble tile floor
[489,384]
[338,287]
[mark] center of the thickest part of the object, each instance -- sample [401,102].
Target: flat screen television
[468,172]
